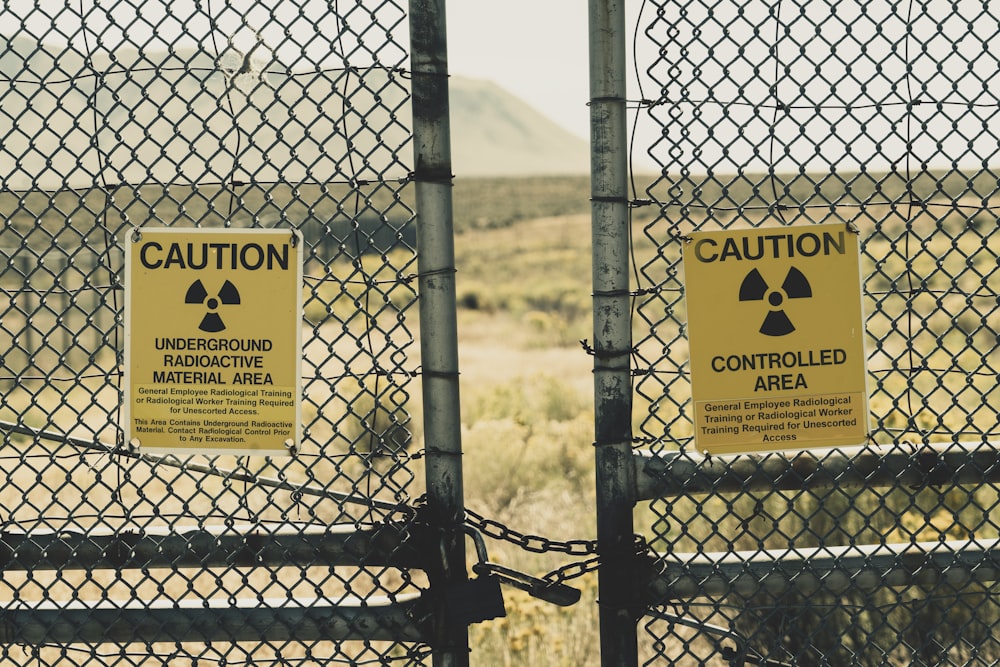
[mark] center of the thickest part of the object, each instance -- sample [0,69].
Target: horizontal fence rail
[909,465]
[833,570]
[219,621]
[236,545]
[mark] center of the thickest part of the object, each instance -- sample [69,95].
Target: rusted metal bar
[833,570]
[222,546]
[214,621]
[432,175]
[906,465]
[612,348]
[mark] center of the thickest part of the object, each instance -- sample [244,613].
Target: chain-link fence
[118,117]
[200,114]
[882,116]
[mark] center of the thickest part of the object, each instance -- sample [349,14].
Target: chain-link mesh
[205,113]
[797,112]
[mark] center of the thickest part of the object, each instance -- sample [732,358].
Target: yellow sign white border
[213,331]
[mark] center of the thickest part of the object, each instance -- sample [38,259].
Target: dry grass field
[524,305]
[528,421]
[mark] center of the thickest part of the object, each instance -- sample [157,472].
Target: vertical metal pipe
[438,326]
[615,473]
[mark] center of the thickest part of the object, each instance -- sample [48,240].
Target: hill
[190,117]
[495,133]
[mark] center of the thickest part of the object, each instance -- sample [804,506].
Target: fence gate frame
[633,579]
[430,539]
[431,535]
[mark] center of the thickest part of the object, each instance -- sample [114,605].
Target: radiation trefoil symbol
[755,288]
[197,294]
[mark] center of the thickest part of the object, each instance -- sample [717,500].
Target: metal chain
[572,570]
[537,544]
[580,568]
[532,543]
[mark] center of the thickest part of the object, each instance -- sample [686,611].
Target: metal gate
[791,113]
[122,116]
[197,113]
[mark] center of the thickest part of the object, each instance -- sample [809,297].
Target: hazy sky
[538,50]
[535,49]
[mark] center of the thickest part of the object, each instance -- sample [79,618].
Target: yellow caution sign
[776,338]
[213,350]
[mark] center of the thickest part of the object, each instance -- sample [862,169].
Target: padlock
[475,600]
[549,591]
[554,592]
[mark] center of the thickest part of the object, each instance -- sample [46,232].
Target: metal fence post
[438,327]
[615,477]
